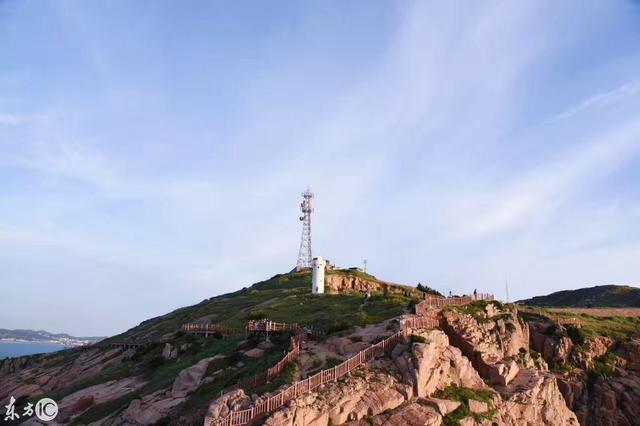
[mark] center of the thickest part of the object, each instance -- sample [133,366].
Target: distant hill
[45,336]
[598,296]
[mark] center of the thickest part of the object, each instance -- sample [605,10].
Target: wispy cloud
[600,100]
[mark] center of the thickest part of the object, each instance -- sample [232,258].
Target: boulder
[191,377]
[233,400]
[254,353]
[444,406]
[438,365]
[533,398]
[169,351]
[367,393]
[414,414]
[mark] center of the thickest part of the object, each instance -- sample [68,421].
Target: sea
[15,349]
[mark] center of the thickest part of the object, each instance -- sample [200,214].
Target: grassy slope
[616,327]
[599,296]
[285,297]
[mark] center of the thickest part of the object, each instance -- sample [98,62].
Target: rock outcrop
[152,408]
[436,364]
[533,398]
[32,378]
[343,283]
[595,399]
[368,393]
[550,341]
[495,341]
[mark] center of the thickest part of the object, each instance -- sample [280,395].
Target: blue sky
[152,154]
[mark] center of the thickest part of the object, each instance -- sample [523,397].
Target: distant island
[609,296]
[41,336]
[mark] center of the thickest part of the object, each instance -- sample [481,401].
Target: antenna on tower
[306,207]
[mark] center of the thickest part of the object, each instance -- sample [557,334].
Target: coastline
[44,342]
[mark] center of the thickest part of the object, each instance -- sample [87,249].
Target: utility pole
[506,286]
[365,265]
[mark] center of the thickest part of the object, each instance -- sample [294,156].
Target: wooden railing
[210,328]
[414,322]
[435,302]
[266,326]
[272,372]
[123,344]
[272,403]
[267,405]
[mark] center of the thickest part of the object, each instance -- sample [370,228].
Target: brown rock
[444,406]
[478,407]
[414,414]
[437,365]
[492,343]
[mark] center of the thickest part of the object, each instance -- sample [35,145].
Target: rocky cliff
[598,375]
[337,282]
[478,371]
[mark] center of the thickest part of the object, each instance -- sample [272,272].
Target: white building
[317,275]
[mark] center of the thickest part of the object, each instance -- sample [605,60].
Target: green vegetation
[603,366]
[352,271]
[282,298]
[599,296]
[587,326]
[478,310]
[332,362]
[464,395]
[575,333]
[428,290]
[417,339]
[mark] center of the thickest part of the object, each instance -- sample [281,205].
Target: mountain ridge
[610,295]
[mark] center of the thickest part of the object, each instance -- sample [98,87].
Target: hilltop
[590,297]
[283,297]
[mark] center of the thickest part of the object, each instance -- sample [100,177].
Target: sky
[152,154]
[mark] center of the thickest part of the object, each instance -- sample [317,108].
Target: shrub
[417,339]
[332,362]
[338,327]
[256,315]
[155,362]
[576,334]
[428,290]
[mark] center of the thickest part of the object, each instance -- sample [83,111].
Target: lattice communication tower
[306,207]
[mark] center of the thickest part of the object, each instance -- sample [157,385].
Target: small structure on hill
[317,275]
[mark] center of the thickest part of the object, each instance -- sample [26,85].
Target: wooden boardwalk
[210,329]
[426,317]
[435,303]
[124,344]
